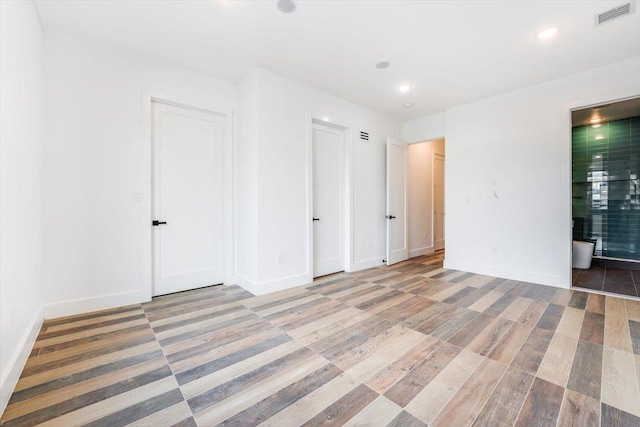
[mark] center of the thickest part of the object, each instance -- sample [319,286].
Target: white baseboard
[367,263]
[86,305]
[508,273]
[18,359]
[262,288]
[421,251]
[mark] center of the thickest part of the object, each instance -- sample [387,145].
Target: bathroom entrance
[605,146]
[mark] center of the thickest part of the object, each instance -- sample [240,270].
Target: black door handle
[390,217]
[316,219]
[156,222]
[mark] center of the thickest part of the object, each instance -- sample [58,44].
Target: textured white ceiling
[451,52]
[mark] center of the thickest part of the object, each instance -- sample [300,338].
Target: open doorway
[605,143]
[425,197]
[415,199]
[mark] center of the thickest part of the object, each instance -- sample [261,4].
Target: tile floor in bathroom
[608,279]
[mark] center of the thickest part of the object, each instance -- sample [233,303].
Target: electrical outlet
[137,197]
[369,244]
[424,236]
[494,250]
[280,258]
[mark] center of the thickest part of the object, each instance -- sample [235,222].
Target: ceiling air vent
[364,136]
[617,12]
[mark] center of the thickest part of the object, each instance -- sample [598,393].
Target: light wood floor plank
[466,404]
[379,412]
[516,308]
[556,364]
[619,389]
[571,322]
[430,401]
[485,302]
[616,326]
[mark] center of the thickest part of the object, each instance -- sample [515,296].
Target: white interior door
[397,246]
[328,195]
[438,201]
[188,198]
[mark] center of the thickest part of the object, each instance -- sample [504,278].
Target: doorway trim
[433,197]
[347,239]
[567,161]
[146,178]
[431,248]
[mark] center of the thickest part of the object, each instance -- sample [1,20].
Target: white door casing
[438,201]
[328,149]
[397,242]
[188,251]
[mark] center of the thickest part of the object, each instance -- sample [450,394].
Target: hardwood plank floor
[413,344]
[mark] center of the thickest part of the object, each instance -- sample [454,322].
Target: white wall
[20,147]
[246,182]
[93,165]
[424,129]
[420,195]
[518,145]
[285,110]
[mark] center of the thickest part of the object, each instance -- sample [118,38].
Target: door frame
[347,238]
[433,197]
[565,122]
[146,179]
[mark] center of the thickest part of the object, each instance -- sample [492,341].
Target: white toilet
[582,254]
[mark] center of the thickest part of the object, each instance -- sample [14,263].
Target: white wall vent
[614,13]
[364,135]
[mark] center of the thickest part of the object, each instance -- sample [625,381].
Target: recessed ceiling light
[382,65]
[404,88]
[408,105]
[547,33]
[595,120]
[596,126]
[326,119]
[286,6]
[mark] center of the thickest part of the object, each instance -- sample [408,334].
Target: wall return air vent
[364,135]
[614,13]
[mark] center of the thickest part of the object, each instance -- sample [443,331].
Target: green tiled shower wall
[606,193]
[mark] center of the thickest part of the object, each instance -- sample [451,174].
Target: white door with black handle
[328,203]
[397,242]
[188,198]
